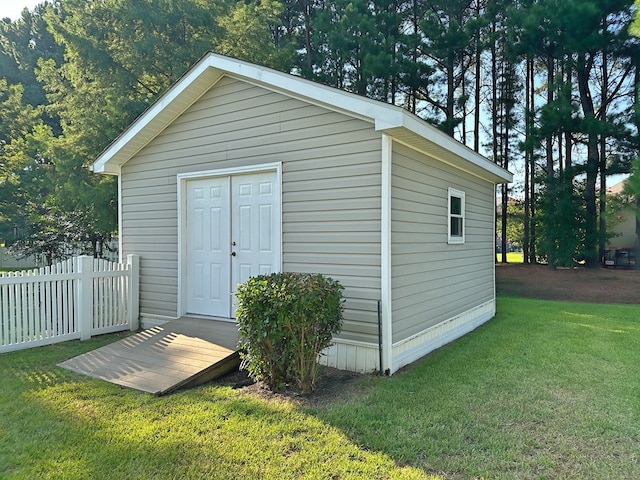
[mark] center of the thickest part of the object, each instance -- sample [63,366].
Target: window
[456,216]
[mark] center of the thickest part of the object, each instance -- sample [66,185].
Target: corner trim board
[385,255]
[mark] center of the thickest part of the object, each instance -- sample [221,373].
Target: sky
[13,8]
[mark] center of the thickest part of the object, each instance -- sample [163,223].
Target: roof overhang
[389,119]
[418,134]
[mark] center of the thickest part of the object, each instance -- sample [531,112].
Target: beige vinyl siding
[330,192]
[433,281]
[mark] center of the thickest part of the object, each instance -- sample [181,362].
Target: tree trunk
[464,113]
[476,118]
[528,159]
[306,10]
[478,72]
[551,257]
[532,214]
[602,207]
[602,237]
[636,74]
[593,160]
[450,94]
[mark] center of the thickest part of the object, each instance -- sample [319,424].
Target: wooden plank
[159,358]
[223,366]
[182,353]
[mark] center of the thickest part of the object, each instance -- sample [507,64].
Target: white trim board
[352,356]
[417,346]
[385,254]
[363,357]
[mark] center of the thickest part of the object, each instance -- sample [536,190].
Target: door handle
[233,254]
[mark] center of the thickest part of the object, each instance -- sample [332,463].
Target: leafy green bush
[285,321]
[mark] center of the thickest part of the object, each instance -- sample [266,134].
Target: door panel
[265,230]
[208,237]
[254,202]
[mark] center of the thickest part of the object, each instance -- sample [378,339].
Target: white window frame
[456,239]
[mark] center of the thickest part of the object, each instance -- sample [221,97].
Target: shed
[239,170]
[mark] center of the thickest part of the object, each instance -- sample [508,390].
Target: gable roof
[392,120]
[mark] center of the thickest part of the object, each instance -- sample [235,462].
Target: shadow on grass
[545,389]
[531,394]
[56,424]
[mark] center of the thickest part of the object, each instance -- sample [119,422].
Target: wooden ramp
[179,354]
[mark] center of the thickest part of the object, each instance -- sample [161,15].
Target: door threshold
[212,318]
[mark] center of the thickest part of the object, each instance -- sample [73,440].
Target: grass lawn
[545,390]
[512,257]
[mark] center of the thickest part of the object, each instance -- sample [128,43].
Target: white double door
[232,233]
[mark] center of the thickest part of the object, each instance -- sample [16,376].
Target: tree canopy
[545,88]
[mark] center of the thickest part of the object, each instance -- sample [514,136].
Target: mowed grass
[512,257]
[55,424]
[544,390]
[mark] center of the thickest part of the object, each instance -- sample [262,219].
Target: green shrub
[285,321]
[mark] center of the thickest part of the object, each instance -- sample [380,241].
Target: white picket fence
[78,298]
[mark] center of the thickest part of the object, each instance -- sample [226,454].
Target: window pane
[456,205]
[456,227]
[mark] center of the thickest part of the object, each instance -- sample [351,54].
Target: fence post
[134,291]
[85,296]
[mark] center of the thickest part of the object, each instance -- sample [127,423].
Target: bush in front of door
[285,321]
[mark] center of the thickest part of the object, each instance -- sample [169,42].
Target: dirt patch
[333,386]
[600,285]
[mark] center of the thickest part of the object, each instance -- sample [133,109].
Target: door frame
[182,179]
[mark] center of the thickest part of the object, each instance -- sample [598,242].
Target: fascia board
[210,68]
[303,89]
[430,133]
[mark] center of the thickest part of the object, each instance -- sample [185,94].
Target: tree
[632,185]
[246,34]
[634,28]
[118,58]
[15,121]
[515,225]
[350,48]
[583,122]
[53,205]
[22,44]
[561,226]
[87,68]
[504,84]
[449,29]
